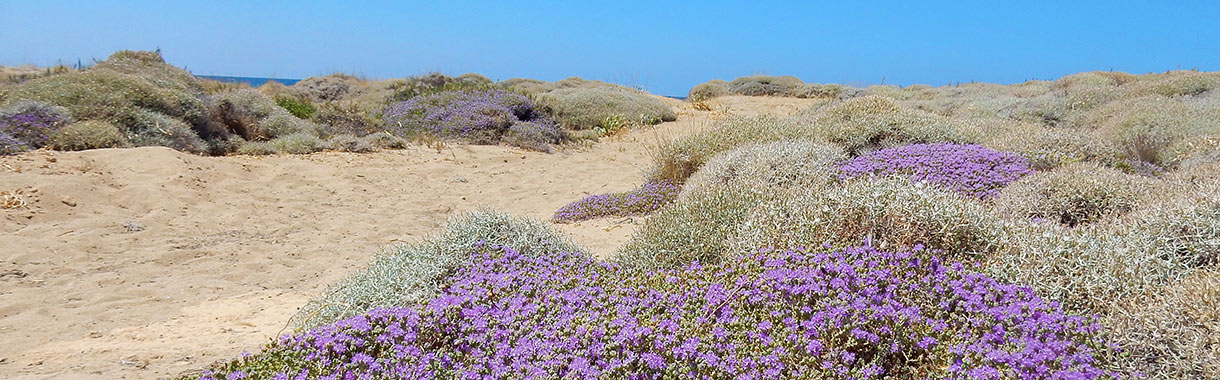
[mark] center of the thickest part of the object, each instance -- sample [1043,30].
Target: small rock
[459,179]
[95,334]
[133,226]
[69,201]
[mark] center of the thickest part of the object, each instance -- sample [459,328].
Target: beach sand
[149,263]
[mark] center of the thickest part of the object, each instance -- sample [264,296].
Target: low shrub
[1148,127]
[765,85]
[89,134]
[481,117]
[1173,83]
[538,135]
[474,79]
[814,90]
[254,116]
[385,140]
[970,170]
[678,159]
[1176,335]
[646,199]
[11,145]
[583,108]
[872,122]
[349,143]
[1182,226]
[527,86]
[302,109]
[405,275]
[150,128]
[339,118]
[1073,195]
[758,167]
[32,122]
[327,88]
[1049,148]
[699,228]
[853,313]
[886,213]
[708,90]
[297,143]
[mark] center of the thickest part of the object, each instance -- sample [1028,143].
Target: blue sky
[666,47]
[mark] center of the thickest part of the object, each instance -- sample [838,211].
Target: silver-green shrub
[406,274]
[583,108]
[699,228]
[763,166]
[708,90]
[1072,195]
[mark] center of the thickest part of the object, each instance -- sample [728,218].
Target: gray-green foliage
[89,134]
[762,166]
[406,274]
[582,108]
[699,228]
[708,90]
[1074,194]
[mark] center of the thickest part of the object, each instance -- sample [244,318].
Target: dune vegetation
[1064,229]
[152,103]
[1042,230]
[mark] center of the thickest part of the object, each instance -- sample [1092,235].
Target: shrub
[527,86]
[405,275]
[814,90]
[149,128]
[89,134]
[1073,195]
[765,85]
[699,228]
[296,143]
[327,88]
[796,314]
[676,160]
[1174,83]
[481,117]
[474,79]
[385,140]
[340,118]
[32,122]
[707,90]
[648,198]
[1048,109]
[583,108]
[11,145]
[970,170]
[300,108]
[349,143]
[1148,127]
[1183,226]
[780,164]
[1049,148]
[538,135]
[1176,335]
[871,122]
[887,213]
[254,116]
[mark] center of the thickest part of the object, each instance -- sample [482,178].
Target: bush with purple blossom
[858,313]
[971,170]
[31,124]
[480,117]
[648,198]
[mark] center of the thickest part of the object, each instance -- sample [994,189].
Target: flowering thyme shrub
[971,170]
[481,117]
[648,198]
[31,122]
[10,145]
[856,313]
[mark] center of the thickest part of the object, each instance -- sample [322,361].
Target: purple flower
[971,170]
[648,198]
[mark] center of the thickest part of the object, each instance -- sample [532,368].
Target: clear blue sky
[666,48]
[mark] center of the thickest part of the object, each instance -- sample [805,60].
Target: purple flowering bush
[648,198]
[481,117]
[971,170]
[29,125]
[857,313]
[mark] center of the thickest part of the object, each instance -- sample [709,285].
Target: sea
[252,81]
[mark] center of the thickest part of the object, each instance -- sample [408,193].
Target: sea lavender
[648,198]
[482,116]
[971,170]
[857,313]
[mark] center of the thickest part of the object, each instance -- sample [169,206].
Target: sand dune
[147,263]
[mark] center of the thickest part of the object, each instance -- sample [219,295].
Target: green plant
[763,166]
[872,122]
[582,108]
[699,228]
[678,159]
[297,143]
[765,85]
[707,90]
[1072,195]
[89,134]
[300,108]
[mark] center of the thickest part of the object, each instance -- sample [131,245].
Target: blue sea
[252,81]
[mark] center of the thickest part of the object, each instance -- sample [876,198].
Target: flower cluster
[28,125]
[648,198]
[482,116]
[972,170]
[856,313]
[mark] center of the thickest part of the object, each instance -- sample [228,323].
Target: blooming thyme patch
[972,170]
[29,124]
[648,198]
[481,117]
[856,313]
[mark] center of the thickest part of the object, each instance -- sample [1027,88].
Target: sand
[149,263]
